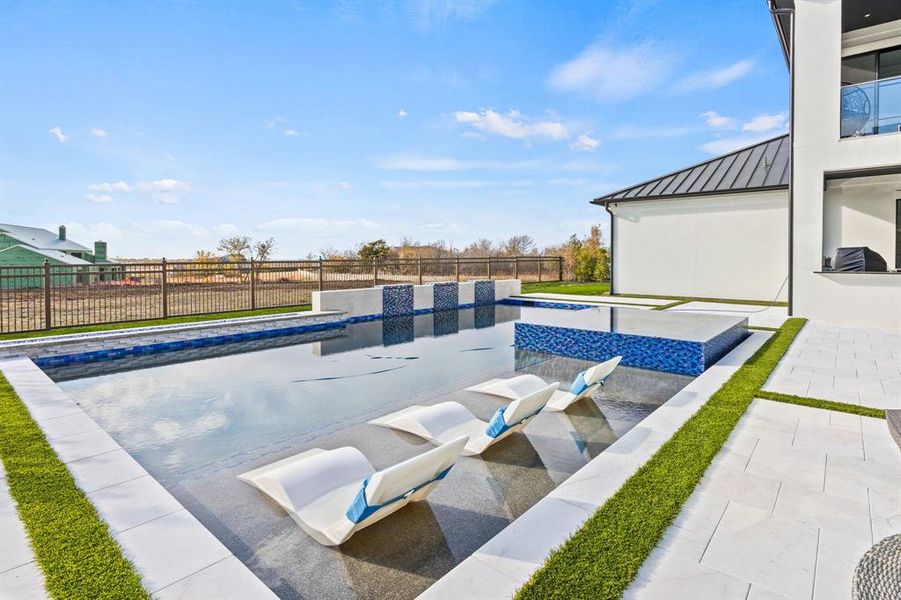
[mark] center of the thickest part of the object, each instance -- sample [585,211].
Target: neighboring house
[761,222]
[31,246]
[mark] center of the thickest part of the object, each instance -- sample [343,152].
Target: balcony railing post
[419,268]
[253,285]
[489,267]
[515,267]
[457,268]
[559,268]
[164,289]
[375,272]
[48,313]
[539,269]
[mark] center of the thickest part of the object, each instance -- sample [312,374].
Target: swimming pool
[195,419]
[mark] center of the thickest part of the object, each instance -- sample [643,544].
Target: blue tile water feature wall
[659,354]
[397,300]
[445,295]
[484,292]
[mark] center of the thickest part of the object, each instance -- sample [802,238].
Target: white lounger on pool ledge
[447,420]
[332,494]
[516,387]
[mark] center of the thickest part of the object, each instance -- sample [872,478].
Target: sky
[161,127]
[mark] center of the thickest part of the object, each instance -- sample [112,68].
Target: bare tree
[235,247]
[519,245]
[262,249]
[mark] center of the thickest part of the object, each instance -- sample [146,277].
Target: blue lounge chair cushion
[497,425]
[360,510]
[579,384]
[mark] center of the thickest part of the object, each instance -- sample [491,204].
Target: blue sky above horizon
[161,127]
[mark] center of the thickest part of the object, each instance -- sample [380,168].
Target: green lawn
[169,321]
[603,557]
[854,409]
[72,545]
[565,287]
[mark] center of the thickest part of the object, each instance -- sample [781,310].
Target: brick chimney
[100,251]
[62,232]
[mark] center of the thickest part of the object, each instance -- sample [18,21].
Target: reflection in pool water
[196,425]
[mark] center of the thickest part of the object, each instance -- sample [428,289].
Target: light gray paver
[843,364]
[758,316]
[832,504]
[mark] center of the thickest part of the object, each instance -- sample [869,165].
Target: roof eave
[770,188]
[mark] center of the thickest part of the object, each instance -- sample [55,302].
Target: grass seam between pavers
[602,558]
[72,545]
[854,409]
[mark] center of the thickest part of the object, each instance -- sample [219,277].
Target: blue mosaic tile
[397,330]
[484,292]
[446,322]
[446,295]
[483,316]
[720,345]
[543,304]
[397,300]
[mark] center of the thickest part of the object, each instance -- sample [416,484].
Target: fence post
[515,267]
[320,274]
[539,269]
[375,272]
[47,311]
[489,267]
[457,268]
[419,268]
[164,293]
[253,285]
[559,268]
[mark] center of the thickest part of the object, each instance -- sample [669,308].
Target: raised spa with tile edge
[672,342]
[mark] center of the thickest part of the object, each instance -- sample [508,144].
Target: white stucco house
[765,222]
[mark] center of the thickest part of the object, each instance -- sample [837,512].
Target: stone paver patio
[843,364]
[787,509]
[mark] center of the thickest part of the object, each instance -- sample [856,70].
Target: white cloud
[608,73]
[728,144]
[512,125]
[99,198]
[402,113]
[718,121]
[57,132]
[432,13]
[585,142]
[634,132]
[439,184]
[167,198]
[273,121]
[438,163]
[443,227]
[226,229]
[172,229]
[765,122]
[716,78]
[98,132]
[119,186]
[343,186]
[164,185]
[320,227]
[292,132]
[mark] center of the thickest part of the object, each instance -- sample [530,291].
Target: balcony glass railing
[871,108]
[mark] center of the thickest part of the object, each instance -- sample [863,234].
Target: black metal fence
[51,296]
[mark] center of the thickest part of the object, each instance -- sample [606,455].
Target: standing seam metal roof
[759,167]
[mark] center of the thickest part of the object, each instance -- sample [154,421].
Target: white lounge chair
[446,420]
[584,385]
[332,494]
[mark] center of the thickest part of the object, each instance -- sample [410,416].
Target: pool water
[197,420]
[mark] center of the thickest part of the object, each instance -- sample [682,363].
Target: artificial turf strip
[602,558]
[854,409]
[154,322]
[79,558]
[558,287]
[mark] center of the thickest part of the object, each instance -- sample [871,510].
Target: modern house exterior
[22,246]
[765,222]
